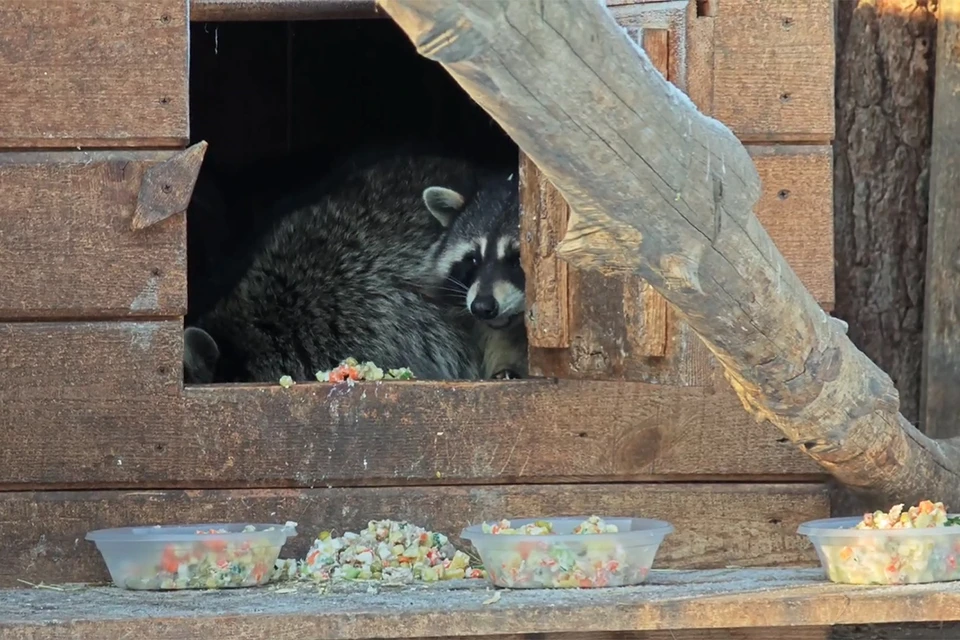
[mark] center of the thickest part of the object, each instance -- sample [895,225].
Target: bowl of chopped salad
[203,556]
[559,553]
[913,546]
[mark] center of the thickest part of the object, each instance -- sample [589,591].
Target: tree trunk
[658,190]
[885,73]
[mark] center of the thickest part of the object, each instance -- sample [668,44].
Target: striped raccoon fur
[359,272]
[479,260]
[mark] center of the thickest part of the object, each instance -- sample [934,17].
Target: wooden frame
[99,362]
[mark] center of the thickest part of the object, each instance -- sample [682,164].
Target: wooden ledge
[671,600]
[265,10]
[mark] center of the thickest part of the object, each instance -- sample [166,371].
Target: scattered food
[351,369]
[286,382]
[387,550]
[494,598]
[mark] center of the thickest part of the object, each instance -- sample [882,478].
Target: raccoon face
[479,260]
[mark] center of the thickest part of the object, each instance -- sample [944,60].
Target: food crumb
[286,382]
[351,370]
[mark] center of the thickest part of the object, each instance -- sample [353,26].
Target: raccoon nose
[484,307]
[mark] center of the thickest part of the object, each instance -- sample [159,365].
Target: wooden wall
[98,429]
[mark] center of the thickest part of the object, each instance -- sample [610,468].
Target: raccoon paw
[505,374]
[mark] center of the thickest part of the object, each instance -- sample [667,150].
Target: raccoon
[479,263]
[352,274]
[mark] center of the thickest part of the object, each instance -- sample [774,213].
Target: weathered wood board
[717,525]
[762,633]
[773,64]
[67,248]
[277,10]
[779,601]
[796,209]
[112,394]
[104,74]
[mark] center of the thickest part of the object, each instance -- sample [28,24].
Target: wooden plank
[762,633]
[698,53]
[67,248]
[111,393]
[939,401]
[80,73]
[281,10]
[40,529]
[753,598]
[774,69]
[543,221]
[796,209]
[647,315]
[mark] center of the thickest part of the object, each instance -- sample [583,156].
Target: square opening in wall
[354,202]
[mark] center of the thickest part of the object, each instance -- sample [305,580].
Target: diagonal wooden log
[659,190]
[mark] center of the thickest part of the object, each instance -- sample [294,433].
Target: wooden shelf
[672,600]
[265,10]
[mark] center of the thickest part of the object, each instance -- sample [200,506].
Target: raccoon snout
[485,307]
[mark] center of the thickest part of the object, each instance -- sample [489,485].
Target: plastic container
[202,556]
[567,560]
[884,556]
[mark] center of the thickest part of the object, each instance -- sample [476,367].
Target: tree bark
[658,190]
[885,73]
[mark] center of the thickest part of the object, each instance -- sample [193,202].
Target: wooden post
[940,386]
[658,190]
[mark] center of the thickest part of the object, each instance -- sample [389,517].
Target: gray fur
[350,275]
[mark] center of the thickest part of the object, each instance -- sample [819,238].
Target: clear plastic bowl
[182,557]
[884,556]
[568,560]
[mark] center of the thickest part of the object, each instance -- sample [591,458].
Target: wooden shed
[111,109]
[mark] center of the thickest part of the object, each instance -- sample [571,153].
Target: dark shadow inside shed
[280,102]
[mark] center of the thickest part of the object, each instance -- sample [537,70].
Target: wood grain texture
[699,53]
[621,135]
[939,400]
[757,598]
[167,187]
[647,315]
[40,529]
[543,220]
[111,392]
[67,248]
[106,74]
[279,10]
[796,209]
[773,69]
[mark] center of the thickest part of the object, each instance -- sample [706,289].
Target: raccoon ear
[443,203]
[200,355]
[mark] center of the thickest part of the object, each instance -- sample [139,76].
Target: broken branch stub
[659,190]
